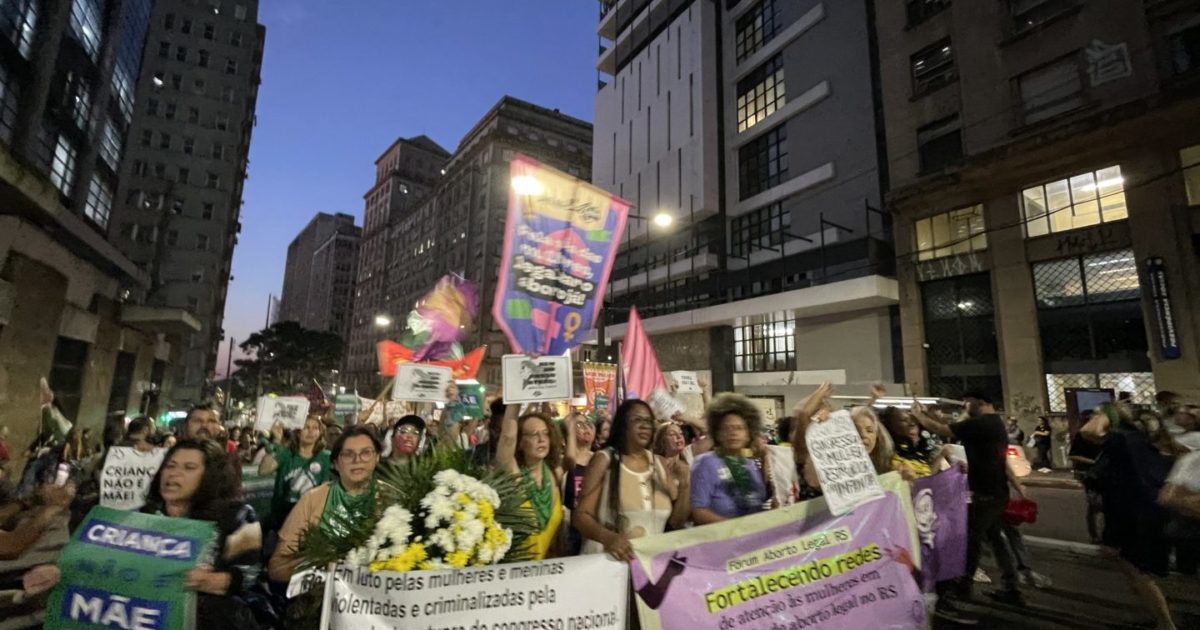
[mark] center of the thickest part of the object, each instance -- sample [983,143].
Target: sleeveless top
[645,499]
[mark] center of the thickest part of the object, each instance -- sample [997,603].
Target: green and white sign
[126,570]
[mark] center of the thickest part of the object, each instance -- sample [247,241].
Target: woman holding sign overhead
[529,446]
[628,492]
[733,480]
[196,481]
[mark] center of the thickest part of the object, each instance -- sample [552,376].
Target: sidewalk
[1064,479]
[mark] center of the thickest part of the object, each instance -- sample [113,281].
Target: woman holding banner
[196,481]
[350,494]
[529,446]
[628,492]
[733,480]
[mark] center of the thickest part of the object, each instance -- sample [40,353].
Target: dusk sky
[339,84]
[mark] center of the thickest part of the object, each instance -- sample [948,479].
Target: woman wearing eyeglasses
[581,433]
[628,492]
[530,446]
[348,498]
[406,439]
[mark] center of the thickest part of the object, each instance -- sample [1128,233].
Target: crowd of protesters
[596,482]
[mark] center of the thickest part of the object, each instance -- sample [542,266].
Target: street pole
[228,379]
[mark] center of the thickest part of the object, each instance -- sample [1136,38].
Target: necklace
[541,497]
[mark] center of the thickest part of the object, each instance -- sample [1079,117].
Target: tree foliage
[288,357]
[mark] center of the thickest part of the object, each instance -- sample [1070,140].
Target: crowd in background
[596,482]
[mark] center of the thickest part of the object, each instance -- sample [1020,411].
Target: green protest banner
[126,570]
[471,399]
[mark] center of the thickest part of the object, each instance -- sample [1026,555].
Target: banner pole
[327,599]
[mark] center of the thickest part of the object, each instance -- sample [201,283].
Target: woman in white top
[628,492]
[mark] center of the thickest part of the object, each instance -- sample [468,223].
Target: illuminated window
[1078,201]
[760,93]
[955,232]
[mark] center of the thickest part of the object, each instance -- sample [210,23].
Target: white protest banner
[663,404]
[290,412]
[568,594]
[544,379]
[419,382]
[847,476]
[126,476]
[686,382]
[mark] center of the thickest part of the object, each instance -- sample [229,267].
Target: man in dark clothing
[985,440]
[484,454]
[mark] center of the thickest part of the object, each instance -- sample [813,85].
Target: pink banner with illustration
[794,567]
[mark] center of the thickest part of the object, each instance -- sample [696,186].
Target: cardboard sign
[544,379]
[291,412]
[126,476]
[847,475]
[419,382]
[686,382]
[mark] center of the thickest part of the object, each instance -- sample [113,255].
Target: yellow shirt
[919,468]
[539,544]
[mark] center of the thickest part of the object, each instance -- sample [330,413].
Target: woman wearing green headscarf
[350,497]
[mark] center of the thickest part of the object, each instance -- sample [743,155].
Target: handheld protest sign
[686,382]
[127,570]
[417,382]
[847,475]
[290,412]
[544,379]
[126,476]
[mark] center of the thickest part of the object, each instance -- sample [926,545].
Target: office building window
[181,54]
[235,38]
[164,140]
[177,82]
[767,344]
[169,21]
[8,104]
[933,67]
[763,228]
[757,27]
[760,93]
[177,205]
[207,211]
[214,180]
[170,113]
[164,49]
[110,145]
[77,99]
[203,61]
[218,151]
[186,26]
[1029,14]
[98,206]
[1184,45]
[198,275]
[1051,90]
[139,168]
[231,66]
[193,115]
[210,31]
[160,169]
[1189,159]
[147,137]
[183,175]
[227,94]
[1075,202]
[66,374]
[172,237]
[221,122]
[62,166]
[202,242]
[239,12]
[763,162]
[152,106]
[189,145]
[198,86]
[18,21]
[122,85]
[955,232]
[193,304]
[939,144]
[86,26]
[920,10]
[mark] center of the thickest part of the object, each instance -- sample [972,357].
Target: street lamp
[662,218]
[382,320]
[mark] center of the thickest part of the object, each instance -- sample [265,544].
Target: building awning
[160,319]
[826,299]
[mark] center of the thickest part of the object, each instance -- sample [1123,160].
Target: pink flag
[640,364]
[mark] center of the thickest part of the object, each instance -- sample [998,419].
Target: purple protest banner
[790,568]
[940,512]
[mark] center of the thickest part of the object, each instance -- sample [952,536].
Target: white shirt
[1186,472]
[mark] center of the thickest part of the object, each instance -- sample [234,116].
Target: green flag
[126,570]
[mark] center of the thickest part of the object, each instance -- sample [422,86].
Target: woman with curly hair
[628,492]
[730,481]
[530,446]
[196,481]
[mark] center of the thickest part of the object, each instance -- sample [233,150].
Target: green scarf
[542,497]
[346,508]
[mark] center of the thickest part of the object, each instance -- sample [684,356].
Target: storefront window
[1076,202]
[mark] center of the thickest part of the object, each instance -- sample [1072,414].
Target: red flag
[391,353]
[640,364]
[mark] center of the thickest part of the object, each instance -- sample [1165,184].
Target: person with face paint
[580,435]
[407,439]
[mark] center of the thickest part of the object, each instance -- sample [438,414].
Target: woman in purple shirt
[729,481]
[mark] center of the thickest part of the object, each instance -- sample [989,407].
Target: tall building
[405,173]
[71,303]
[177,212]
[774,272]
[318,281]
[1045,171]
[459,227]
